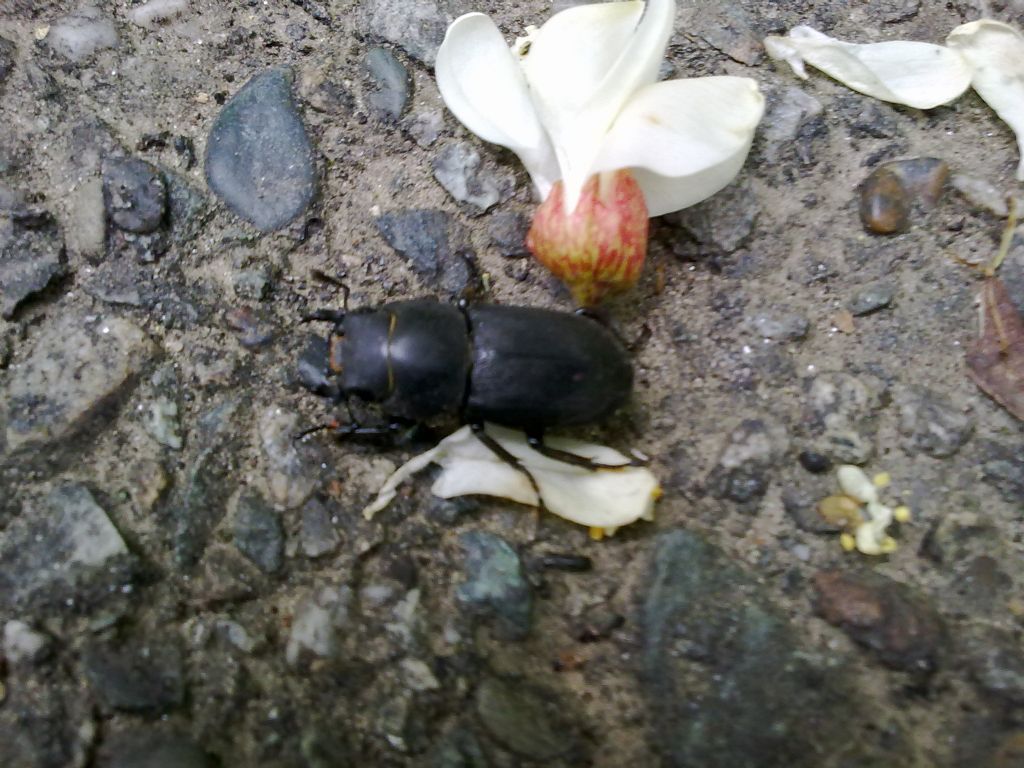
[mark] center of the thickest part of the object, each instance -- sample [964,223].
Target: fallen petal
[684,140]
[483,85]
[919,75]
[603,498]
[996,52]
[995,361]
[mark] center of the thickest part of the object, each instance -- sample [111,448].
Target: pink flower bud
[598,248]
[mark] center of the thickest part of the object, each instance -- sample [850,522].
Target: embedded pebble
[814,462]
[528,723]
[143,677]
[434,244]
[742,473]
[7,52]
[883,615]
[315,623]
[872,298]
[258,533]
[417,27]
[317,534]
[31,257]
[86,230]
[259,159]
[134,194]
[996,663]
[508,230]
[788,111]
[390,84]
[724,221]
[728,28]
[459,168]
[884,207]
[290,476]
[495,584]
[21,643]
[160,418]
[780,326]
[931,423]
[156,12]
[77,364]
[425,126]
[981,194]
[841,413]
[79,35]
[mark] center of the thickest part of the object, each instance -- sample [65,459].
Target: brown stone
[883,615]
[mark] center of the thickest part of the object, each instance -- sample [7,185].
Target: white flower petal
[684,139]
[483,85]
[919,75]
[582,66]
[604,498]
[996,52]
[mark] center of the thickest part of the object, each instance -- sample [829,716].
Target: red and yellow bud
[598,248]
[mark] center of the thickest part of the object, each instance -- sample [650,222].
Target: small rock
[140,677]
[787,113]
[259,159]
[31,257]
[931,423]
[134,194]
[1004,468]
[727,27]
[7,53]
[160,418]
[65,547]
[23,644]
[871,299]
[981,194]
[418,27]
[258,533]
[434,245]
[884,205]
[802,506]
[814,462]
[252,284]
[224,576]
[882,615]
[86,225]
[316,622]
[459,168]
[996,662]
[754,447]
[76,366]
[188,208]
[418,676]
[724,221]
[598,623]
[868,118]
[495,584]
[841,412]
[727,681]
[153,14]
[528,723]
[148,747]
[508,231]
[390,83]
[459,748]
[290,477]
[80,35]
[780,326]
[317,534]
[425,127]
[957,536]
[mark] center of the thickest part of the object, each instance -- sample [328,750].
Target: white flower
[603,499]
[580,96]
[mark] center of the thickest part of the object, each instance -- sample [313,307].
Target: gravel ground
[181,584]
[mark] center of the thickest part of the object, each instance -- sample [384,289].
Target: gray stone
[21,643]
[258,533]
[1004,468]
[780,326]
[727,682]
[724,221]
[252,284]
[982,194]
[931,424]
[187,208]
[871,299]
[139,677]
[77,365]
[7,53]
[742,471]
[788,111]
[508,230]
[802,507]
[316,622]
[389,82]
[148,747]
[160,418]
[134,194]
[433,244]
[86,226]
[841,413]
[316,533]
[425,126]
[259,159]
[459,168]
[727,27]
[495,585]
[417,27]
[288,469]
[31,257]
[996,663]
[458,748]
[868,118]
[529,723]
[79,35]
[65,549]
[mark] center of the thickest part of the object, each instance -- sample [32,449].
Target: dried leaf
[995,361]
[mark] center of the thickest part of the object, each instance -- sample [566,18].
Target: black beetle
[521,367]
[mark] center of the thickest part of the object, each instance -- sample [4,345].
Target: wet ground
[182,584]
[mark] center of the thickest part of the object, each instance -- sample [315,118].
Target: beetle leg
[499,450]
[326,315]
[536,441]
